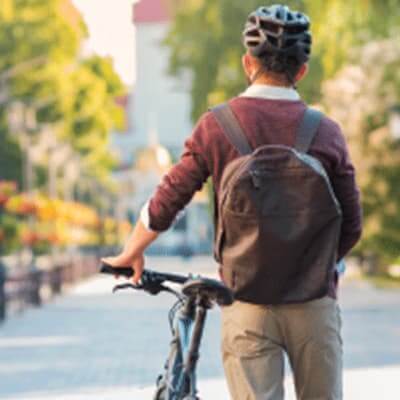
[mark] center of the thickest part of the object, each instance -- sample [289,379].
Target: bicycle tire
[160,394]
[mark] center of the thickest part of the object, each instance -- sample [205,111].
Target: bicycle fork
[190,345]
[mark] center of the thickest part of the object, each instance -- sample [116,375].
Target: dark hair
[280,66]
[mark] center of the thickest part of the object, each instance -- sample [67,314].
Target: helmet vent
[270,27]
[294,29]
[253,34]
[273,40]
[290,42]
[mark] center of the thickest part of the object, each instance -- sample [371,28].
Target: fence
[22,289]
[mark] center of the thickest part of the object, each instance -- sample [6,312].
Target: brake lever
[153,290]
[126,286]
[150,288]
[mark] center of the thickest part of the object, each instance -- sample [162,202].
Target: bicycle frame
[179,381]
[187,321]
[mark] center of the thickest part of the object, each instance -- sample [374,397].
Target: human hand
[136,262]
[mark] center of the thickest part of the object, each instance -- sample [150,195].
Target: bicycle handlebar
[151,281]
[127,272]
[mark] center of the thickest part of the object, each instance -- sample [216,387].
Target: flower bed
[7,189]
[40,222]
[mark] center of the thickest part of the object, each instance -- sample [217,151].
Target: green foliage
[41,66]
[340,26]
[381,189]
[92,112]
[10,155]
[47,35]
[9,232]
[382,211]
[359,97]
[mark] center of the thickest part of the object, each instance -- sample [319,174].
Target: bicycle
[187,318]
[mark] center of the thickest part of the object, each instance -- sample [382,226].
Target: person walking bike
[287,210]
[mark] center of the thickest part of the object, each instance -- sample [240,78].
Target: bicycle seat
[209,288]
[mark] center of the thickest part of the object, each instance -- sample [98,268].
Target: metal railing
[31,288]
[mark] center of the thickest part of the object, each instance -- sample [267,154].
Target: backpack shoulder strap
[308,129]
[231,128]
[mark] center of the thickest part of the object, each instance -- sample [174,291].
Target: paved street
[91,344]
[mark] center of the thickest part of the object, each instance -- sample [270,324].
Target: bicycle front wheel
[161,394]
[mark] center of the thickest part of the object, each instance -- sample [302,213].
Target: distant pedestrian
[288,211]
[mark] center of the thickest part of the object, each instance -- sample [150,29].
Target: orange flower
[7,189]
[29,238]
[21,204]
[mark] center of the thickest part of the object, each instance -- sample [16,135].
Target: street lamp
[394,121]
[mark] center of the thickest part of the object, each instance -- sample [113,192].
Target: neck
[263,80]
[259,77]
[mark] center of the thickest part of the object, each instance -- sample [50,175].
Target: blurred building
[160,102]
[158,122]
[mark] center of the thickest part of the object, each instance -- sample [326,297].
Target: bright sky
[111,32]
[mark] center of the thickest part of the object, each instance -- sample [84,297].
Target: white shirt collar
[271,92]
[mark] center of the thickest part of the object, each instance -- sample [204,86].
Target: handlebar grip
[108,269]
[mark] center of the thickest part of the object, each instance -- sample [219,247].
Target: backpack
[277,219]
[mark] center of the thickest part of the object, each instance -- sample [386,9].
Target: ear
[303,71]
[247,64]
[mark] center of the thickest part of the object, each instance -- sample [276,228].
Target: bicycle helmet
[278,36]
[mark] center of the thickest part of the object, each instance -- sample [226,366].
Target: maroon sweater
[207,152]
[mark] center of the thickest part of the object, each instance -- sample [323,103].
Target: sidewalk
[91,344]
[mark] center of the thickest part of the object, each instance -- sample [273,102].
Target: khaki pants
[255,337]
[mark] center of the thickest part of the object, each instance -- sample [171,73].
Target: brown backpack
[278,221]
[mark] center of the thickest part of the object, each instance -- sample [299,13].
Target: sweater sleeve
[344,184]
[179,185]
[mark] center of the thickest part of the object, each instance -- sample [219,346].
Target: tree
[91,112]
[50,31]
[10,155]
[360,97]
[340,26]
[40,44]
